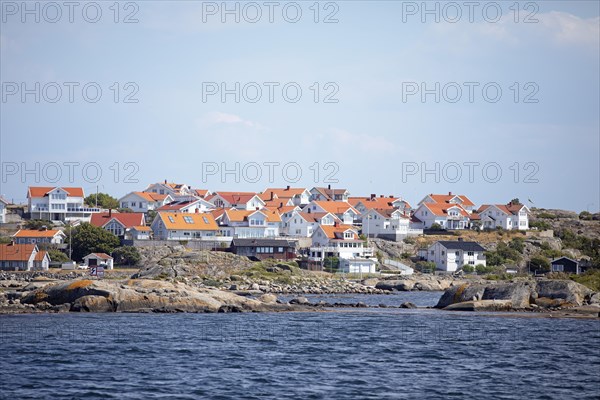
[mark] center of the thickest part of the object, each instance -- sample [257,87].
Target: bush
[405,255]
[57,256]
[331,264]
[546,215]
[36,224]
[103,200]
[541,225]
[483,269]
[425,266]
[469,269]
[539,263]
[585,215]
[126,255]
[409,240]
[436,227]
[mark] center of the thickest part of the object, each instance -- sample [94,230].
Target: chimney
[165,181]
[391,196]
[109,212]
[449,193]
[280,204]
[381,196]
[329,186]
[197,210]
[271,199]
[373,195]
[287,188]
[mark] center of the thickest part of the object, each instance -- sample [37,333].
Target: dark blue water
[342,354]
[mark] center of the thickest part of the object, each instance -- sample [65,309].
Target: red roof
[128,220]
[505,208]
[176,205]
[235,197]
[102,256]
[41,191]
[16,252]
[445,198]
[441,209]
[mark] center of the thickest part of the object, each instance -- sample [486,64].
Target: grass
[591,279]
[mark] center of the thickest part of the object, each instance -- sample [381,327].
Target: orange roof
[102,256]
[337,231]
[126,219]
[283,192]
[379,202]
[445,198]
[141,228]
[34,233]
[510,209]
[277,203]
[316,216]
[442,209]
[242,215]
[41,191]
[235,197]
[151,196]
[177,205]
[335,207]
[40,255]
[16,252]
[387,212]
[189,222]
[201,192]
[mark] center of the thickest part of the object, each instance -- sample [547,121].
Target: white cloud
[221,118]
[569,29]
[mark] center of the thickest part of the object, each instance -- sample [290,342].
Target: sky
[495,100]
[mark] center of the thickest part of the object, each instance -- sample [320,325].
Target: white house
[187,205]
[118,223]
[96,259]
[329,194]
[23,257]
[237,200]
[295,196]
[342,241]
[390,223]
[509,216]
[304,224]
[449,199]
[250,223]
[362,204]
[448,216]
[140,232]
[50,236]
[451,255]
[144,201]
[3,204]
[175,190]
[184,226]
[58,204]
[343,210]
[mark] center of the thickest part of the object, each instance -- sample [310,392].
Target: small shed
[565,264]
[94,259]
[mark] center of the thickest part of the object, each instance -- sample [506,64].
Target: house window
[443,252]
[471,262]
[171,219]
[280,249]
[456,253]
[470,253]
[558,268]
[188,220]
[205,220]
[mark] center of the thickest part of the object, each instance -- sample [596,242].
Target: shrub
[483,269]
[469,269]
[409,240]
[425,266]
[539,263]
[57,256]
[36,224]
[585,215]
[127,255]
[435,227]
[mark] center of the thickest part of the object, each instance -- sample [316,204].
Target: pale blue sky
[369,54]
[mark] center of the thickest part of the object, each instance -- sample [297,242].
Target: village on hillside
[321,228]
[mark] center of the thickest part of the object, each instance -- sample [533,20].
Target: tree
[126,255]
[539,263]
[37,224]
[104,201]
[585,215]
[435,227]
[88,239]
[517,244]
[331,264]
[57,256]
[515,201]
[469,269]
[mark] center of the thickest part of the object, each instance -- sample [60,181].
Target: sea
[337,353]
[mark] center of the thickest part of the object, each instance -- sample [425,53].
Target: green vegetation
[57,256]
[5,239]
[585,215]
[506,253]
[435,227]
[425,266]
[539,263]
[589,247]
[483,269]
[409,240]
[590,278]
[546,215]
[87,238]
[405,255]
[469,269]
[273,270]
[540,225]
[103,200]
[126,255]
[37,224]
[331,264]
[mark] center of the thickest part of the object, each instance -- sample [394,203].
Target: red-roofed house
[95,259]
[118,223]
[251,223]
[362,204]
[506,216]
[144,201]
[342,241]
[304,224]
[329,194]
[297,196]
[39,236]
[23,257]
[448,199]
[447,215]
[58,204]
[343,210]
[175,190]
[387,223]
[237,200]
[189,205]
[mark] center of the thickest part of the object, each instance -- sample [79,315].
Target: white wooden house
[237,200]
[509,216]
[343,210]
[451,255]
[144,201]
[63,204]
[342,241]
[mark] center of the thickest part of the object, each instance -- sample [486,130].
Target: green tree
[57,256]
[435,227]
[126,255]
[425,266]
[585,215]
[88,239]
[37,224]
[469,269]
[539,263]
[517,244]
[331,264]
[125,210]
[483,269]
[515,201]
[104,201]
[5,239]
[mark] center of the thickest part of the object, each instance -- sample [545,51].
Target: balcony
[82,209]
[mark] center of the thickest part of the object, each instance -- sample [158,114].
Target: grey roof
[251,242]
[460,245]
[563,257]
